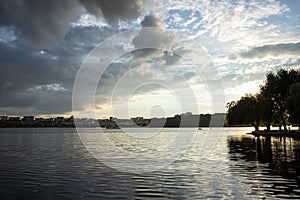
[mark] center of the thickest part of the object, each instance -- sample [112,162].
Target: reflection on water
[54,164]
[272,162]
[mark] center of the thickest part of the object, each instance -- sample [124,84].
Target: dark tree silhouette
[245,111]
[265,110]
[276,91]
[293,103]
[277,101]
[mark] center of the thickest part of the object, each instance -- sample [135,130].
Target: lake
[53,163]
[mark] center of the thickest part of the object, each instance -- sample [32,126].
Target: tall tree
[265,110]
[276,91]
[276,102]
[293,103]
[245,111]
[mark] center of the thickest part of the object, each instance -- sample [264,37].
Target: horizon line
[72,115]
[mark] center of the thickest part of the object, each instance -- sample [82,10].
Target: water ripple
[53,164]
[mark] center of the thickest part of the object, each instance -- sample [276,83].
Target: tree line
[277,102]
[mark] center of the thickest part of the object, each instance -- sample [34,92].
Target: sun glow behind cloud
[244,39]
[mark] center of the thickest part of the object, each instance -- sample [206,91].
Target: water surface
[54,164]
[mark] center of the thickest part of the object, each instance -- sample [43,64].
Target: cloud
[44,23]
[81,38]
[87,20]
[153,40]
[152,35]
[7,34]
[36,102]
[151,21]
[250,87]
[238,24]
[36,81]
[42,45]
[144,81]
[114,10]
[40,22]
[291,50]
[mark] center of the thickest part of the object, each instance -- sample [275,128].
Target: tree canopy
[245,111]
[293,103]
[277,102]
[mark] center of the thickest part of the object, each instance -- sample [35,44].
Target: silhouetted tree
[245,111]
[275,92]
[279,98]
[265,110]
[232,110]
[293,103]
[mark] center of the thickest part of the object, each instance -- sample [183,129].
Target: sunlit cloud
[242,23]
[88,20]
[251,87]
[243,40]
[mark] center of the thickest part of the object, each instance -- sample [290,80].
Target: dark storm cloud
[38,66]
[37,102]
[45,22]
[87,38]
[114,10]
[25,74]
[41,22]
[24,67]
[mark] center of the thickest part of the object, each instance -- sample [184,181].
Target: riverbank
[276,133]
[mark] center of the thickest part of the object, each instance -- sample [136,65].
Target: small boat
[199,128]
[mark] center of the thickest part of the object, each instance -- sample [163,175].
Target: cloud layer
[43,23]
[43,43]
[291,50]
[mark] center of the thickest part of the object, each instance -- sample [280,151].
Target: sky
[101,57]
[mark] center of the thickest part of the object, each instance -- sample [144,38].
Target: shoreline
[276,133]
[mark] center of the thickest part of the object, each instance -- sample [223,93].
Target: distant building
[137,119]
[85,122]
[71,119]
[112,119]
[60,119]
[28,118]
[51,119]
[69,122]
[40,119]
[187,113]
[3,118]
[140,121]
[14,119]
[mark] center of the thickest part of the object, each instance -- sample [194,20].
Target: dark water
[54,164]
